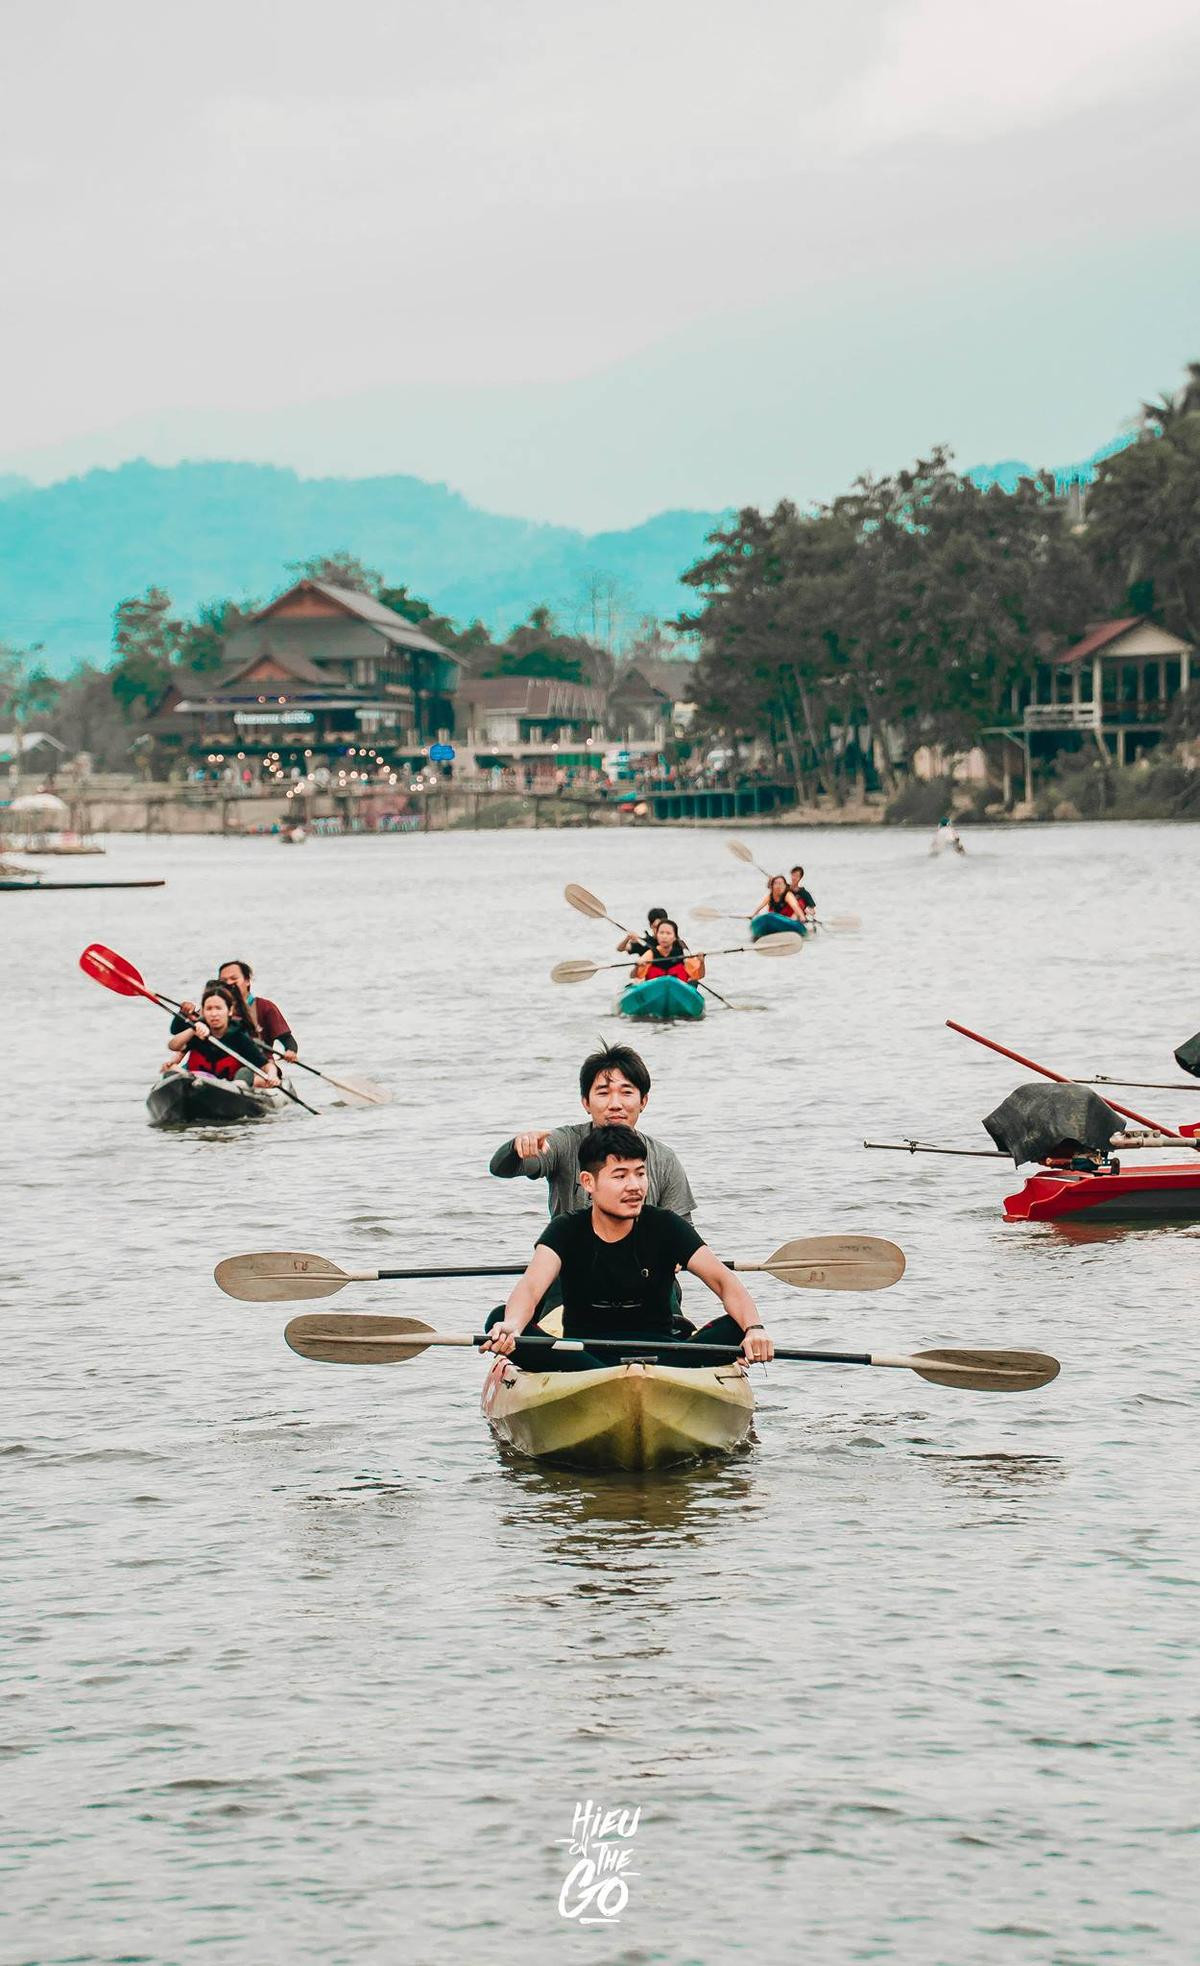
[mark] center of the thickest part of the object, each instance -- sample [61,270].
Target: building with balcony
[1117,686]
[651,700]
[320,673]
[535,723]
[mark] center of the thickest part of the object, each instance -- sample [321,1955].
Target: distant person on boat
[616,1263]
[194,1049]
[614,1086]
[946,835]
[779,900]
[641,945]
[669,957]
[799,892]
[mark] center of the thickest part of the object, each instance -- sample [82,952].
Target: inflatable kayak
[200,1099]
[776,925]
[1166,1193]
[632,1418]
[661,996]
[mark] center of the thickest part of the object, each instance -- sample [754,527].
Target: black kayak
[199,1099]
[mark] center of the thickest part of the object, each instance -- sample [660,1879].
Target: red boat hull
[1144,1194]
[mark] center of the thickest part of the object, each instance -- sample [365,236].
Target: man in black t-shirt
[803,897]
[641,945]
[617,1262]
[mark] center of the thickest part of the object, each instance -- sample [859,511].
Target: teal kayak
[661,996]
[775,925]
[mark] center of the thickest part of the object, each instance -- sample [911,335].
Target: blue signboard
[441,754]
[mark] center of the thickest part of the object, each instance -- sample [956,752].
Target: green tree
[1143,523]
[341,568]
[538,648]
[27,689]
[146,639]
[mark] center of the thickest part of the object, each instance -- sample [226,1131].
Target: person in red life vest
[669,957]
[262,1018]
[779,900]
[194,1048]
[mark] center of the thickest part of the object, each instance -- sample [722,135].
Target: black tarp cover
[1052,1122]
[1188,1056]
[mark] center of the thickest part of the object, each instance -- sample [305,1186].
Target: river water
[298,1668]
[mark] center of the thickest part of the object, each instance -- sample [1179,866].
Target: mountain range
[70,551]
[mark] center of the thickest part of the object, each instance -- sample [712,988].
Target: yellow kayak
[633,1417]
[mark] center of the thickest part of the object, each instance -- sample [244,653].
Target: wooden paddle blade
[586,902]
[107,967]
[369,1093]
[740,852]
[842,924]
[279,1276]
[986,1372]
[706,914]
[576,969]
[783,944]
[837,1263]
[353,1340]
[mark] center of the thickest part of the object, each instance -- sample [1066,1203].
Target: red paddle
[1126,1112]
[118,974]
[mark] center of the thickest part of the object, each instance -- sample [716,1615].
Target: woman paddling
[668,957]
[779,900]
[194,1048]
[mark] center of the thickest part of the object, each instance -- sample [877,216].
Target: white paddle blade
[838,1263]
[783,944]
[351,1340]
[279,1276]
[740,852]
[982,1372]
[576,969]
[586,902]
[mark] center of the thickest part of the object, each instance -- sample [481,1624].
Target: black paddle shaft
[629,1348]
[494,1269]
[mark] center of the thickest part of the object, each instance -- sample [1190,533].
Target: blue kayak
[663,997]
[775,925]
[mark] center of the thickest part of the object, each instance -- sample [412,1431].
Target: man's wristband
[752,1327]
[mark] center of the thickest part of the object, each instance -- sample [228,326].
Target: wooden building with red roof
[321,672]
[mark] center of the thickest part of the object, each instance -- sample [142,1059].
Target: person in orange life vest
[668,957]
[194,1049]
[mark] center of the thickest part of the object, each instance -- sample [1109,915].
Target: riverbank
[1165,792]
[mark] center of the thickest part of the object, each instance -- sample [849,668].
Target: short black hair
[614,1058]
[656,915]
[621,1142]
[238,962]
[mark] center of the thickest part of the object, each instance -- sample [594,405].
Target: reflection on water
[997,1474]
[304,1668]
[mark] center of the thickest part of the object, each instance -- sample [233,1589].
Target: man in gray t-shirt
[614,1086]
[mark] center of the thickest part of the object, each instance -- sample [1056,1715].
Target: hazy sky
[582,261]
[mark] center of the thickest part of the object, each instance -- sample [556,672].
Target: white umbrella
[45,802]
